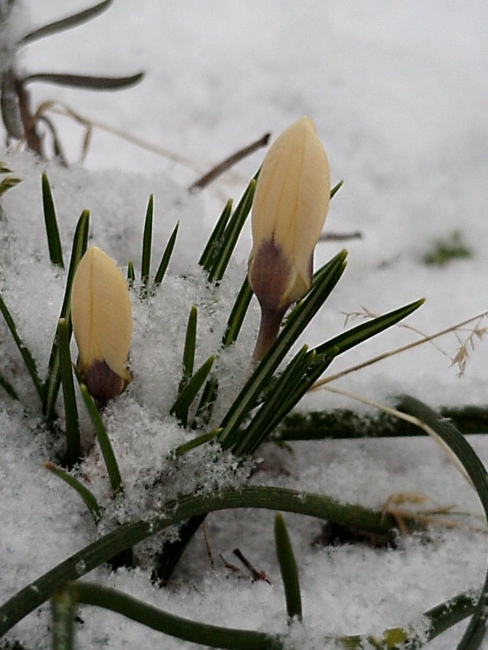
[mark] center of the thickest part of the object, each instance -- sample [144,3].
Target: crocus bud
[289,210]
[102,325]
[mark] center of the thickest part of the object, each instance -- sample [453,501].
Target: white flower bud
[102,324]
[289,210]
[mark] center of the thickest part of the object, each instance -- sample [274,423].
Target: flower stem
[268,331]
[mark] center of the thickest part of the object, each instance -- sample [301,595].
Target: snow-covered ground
[397,93]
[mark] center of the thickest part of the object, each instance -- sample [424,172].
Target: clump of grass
[449,248]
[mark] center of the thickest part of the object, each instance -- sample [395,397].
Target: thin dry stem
[229,162]
[64,110]
[403,348]
[407,418]
[366,313]
[462,354]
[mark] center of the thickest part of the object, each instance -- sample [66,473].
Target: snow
[396,93]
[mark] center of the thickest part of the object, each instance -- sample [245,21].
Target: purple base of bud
[102,383]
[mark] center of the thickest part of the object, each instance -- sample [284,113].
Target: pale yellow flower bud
[102,324]
[289,210]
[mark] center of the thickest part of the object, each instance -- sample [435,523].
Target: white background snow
[399,97]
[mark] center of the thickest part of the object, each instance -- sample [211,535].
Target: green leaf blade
[365,331]
[53,376]
[51,222]
[190,346]
[474,468]
[288,569]
[238,313]
[183,403]
[88,82]
[131,273]
[86,495]
[8,388]
[256,432]
[63,609]
[103,440]
[28,359]
[171,624]
[231,234]
[66,23]
[212,245]
[73,438]
[146,246]
[168,252]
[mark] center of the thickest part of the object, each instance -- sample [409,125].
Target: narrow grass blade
[357,335]
[146,246]
[288,569]
[189,349]
[193,444]
[341,424]
[296,323]
[441,618]
[215,237]
[73,440]
[10,105]
[29,362]
[66,23]
[63,608]
[290,398]
[8,388]
[474,468]
[231,235]
[51,222]
[336,188]
[238,313]
[131,273]
[318,366]
[182,405]
[182,628]
[207,402]
[258,429]
[88,497]
[171,552]
[293,384]
[168,251]
[78,249]
[220,637]
[7,183]
[53,377]
[103,440]
[445,615]
[89,82]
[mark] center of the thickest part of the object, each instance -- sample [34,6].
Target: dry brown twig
[257,576]
[226,164]
[88,124]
